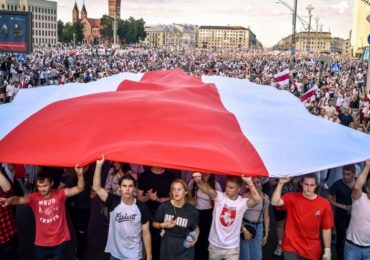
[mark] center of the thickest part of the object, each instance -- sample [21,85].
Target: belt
[352,243]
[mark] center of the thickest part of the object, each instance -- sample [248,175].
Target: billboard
[15,31]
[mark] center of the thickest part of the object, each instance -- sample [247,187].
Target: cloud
[341,7]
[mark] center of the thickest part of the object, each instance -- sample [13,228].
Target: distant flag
[309,93]
[282,78]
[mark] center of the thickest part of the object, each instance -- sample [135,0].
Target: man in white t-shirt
[357,245]
[128,219]
[229,208]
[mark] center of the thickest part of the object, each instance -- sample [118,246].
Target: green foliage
[131,30]
[66,31]
[106,25]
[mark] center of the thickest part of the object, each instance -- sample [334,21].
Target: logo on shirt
[48,210]
[124,217]
[227,217]
[182,222]
[318,214]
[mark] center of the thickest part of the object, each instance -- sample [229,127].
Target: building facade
[174,34]
[314,42]
[360,26]
[225,37]
[91,26]
[44,18]
[114,8]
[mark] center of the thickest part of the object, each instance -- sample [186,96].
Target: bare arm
[80,183]
[276,197]
[100,191]
[212,194]
[15,200]
[357,189]
[334,203]
[256,196]
[147,241]
[266,224]
[4,183]
[326,235]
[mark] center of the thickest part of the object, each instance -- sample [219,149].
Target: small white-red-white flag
[309,93]
[282,78]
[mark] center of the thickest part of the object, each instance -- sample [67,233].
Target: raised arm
[357,189]
[4,183]
[80,183]
[256,196]
[276,197]
[100,191]
[197,176]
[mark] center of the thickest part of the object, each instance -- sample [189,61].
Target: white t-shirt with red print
[227,220]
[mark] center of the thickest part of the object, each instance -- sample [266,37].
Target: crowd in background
[340,96]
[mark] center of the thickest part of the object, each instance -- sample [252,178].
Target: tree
[106,23]
[60,28]
[77,29]
[131,30]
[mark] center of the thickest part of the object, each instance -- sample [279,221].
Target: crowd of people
[157,213]
[342,86]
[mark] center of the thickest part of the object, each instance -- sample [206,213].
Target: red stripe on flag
[282,78]
[308,94]
[169,119]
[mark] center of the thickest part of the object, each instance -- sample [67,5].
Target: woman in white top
[204,205]
[255,226]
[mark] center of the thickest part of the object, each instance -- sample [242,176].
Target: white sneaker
[278,251]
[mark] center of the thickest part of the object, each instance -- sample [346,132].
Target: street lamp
[309,9]
[294,22]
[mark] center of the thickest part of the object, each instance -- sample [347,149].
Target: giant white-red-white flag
[169,119]
[282,78]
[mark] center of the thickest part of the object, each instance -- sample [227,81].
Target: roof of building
[94,22]
[75,7]
[83,9]
[206,27]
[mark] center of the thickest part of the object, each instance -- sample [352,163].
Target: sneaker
[278,251]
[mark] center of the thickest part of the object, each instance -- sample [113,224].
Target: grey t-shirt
[125,228]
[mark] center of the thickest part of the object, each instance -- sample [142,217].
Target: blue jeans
[252,249]
[46,252]
[354,252]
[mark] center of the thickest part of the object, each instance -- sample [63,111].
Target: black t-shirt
[160,183]
[345,119]
[342,194]
[187,218]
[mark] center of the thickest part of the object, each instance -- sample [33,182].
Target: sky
[269,20]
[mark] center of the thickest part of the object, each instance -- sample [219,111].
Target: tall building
[226,37]
[114,8]
[44,18]
[360,26]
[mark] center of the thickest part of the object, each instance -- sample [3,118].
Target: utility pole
[294,23]
[309,9]
[115,28]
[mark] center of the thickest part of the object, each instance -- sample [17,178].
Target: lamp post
[309,9]
[294,22]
